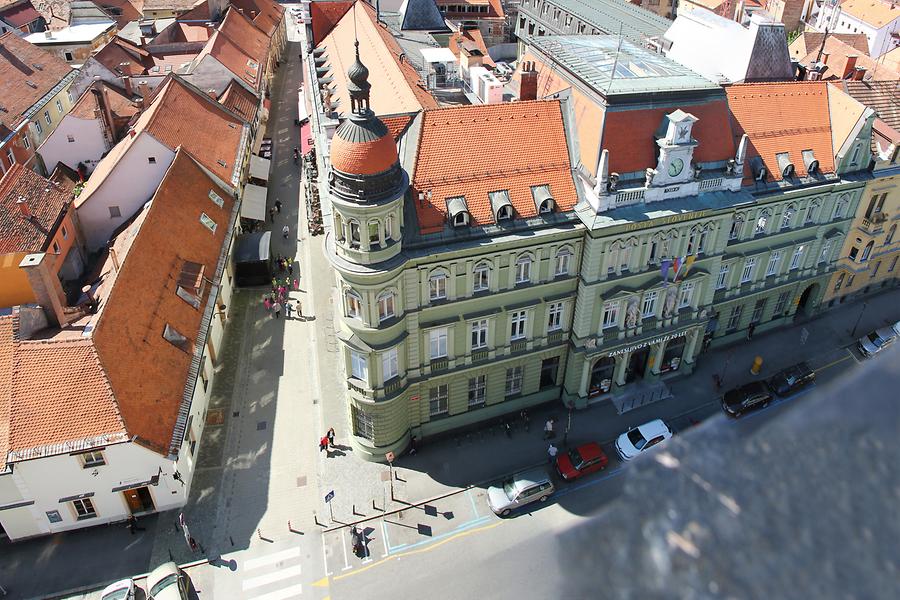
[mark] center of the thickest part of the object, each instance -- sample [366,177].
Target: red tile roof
[470,39]
[21,15]
[325,16]
[7,354]
[363,158]
[234,59]
[240,101]
[397,124]
[472,150]
[783,117]
[241,31]
[27,73]
[629,135]
[46,201]
[119,51]
[265,14]
[124,11]
[120,104]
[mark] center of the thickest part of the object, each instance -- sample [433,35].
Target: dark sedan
[789,380]
[747,397]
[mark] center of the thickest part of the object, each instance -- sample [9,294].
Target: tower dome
[364,161]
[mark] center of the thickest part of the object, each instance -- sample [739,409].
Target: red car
[587,458]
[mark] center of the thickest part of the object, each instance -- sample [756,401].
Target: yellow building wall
[55,114]
[878,268]
[14,286]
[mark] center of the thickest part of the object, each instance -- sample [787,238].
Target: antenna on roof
[616,61]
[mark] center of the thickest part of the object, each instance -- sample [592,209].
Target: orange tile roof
[325,16]
[363,158]
[124,11]
[629,135]
[242,33]
[397,125]
[147,373]
[470,38]
[46,201]
[119,103]
[234,59]
[27,73]
[119,51]
[782,117]
[7,354]
[838,51]
[874,12]
[472,150]
[265,14]
[240,101]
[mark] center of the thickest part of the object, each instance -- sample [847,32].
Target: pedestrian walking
[290,268]
[132,525]
[551,453]
[288,309]
[285,231]
[526,422]
[299,310]
[278,206]
[750,331]
[330,436]
[548,429]
[323,443]
[272,214]
[276,309]
[267,302]
[413,445]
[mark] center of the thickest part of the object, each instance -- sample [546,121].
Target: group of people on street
[327,440]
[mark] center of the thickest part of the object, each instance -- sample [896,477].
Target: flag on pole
[677,267]
[688,263]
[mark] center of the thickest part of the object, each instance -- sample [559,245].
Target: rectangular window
[477,387]
[517,325]
[735,231]
[390,364]
[47,117]
[374,237]
[438,400]
[723,275]
[385,306]
[84,508]
[55,248]
[850,279]
[188,296]
[687,294]
[114,212]
[549,369]
[94,458]
[70,138]
[734,319]
[839,282]
[208,222]
[354,306]
[514,380]
[438,287]
[554,316]
[10,157]
[359,365]
[481,282]
[363,424]
[37,125]
[562,263]
[65,232]
[875,270]
[217,199]
[796,259]
[437,343]
[59,107]
[151,160]
[523,270]
[758,309]
[826,252]
[648,308]
[747,273]
[893,264]
[781,304]
[25,141]
[479,334]
[774,259]
[610,314]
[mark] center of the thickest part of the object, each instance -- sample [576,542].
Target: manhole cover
[215,416]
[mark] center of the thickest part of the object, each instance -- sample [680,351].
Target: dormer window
[501,205]
[758,169]
[458,211]
[543,199]
[785,164]
[810,161]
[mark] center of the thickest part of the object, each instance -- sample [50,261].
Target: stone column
[658,357]
[619,372]
[689,346]
[585,377]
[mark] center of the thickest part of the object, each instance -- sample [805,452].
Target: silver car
[520,489]
[120,590]
[167,582]
[876,341]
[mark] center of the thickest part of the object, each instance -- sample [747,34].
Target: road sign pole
[331,512]
[390,461]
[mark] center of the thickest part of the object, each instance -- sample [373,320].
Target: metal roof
[610,15]
[592,58]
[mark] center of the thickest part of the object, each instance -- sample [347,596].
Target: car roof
[528,478]
[590,450]
[160,572]
[653,428]
[885,333]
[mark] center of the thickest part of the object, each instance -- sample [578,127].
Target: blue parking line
[431,540]
[387,543]
[472,501]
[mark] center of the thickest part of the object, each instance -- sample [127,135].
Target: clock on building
[675,167]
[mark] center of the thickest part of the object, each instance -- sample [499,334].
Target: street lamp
[858,319]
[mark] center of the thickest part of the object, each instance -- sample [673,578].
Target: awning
[305,132]
[302,114]
[253,204]
[259,167]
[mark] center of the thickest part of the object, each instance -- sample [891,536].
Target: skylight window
[207,222]
[217,199]
[176,339]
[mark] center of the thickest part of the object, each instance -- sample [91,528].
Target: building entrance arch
[804,304]
[601,375]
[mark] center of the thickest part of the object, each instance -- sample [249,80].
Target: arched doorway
[601,375]
[804,305]
[637,364]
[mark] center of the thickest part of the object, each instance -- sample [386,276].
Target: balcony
[554,337]
[874,224]
[356,388]
[518,346]
[440,364]
[479,355]
[392,386]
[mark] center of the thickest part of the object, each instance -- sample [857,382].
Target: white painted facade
[74,141]
[835,20]
[131,183]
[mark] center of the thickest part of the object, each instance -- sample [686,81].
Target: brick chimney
[144,90]
[859,73]
[850,66]
[46,287]
[824,58]
[126,85]
[24,209]
[529,82]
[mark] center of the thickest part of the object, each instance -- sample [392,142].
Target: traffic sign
[389,457]
[329,496]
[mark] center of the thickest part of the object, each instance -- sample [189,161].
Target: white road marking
[325,558]
[271,559]
[285,573]
[282,594]
[344,546]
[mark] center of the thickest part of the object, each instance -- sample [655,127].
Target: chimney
[824,58]
[46,287]
[850,66]
[143,41]
[107,115]
[529,82]
[859,73]
[24,209]
[48,34]
[126,83]
[114,257]
[145,94]
[211,93]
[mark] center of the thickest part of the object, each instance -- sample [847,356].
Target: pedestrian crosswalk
[275,576]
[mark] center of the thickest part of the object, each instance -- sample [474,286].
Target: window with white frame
[781,304]
[353,304]
[734,319]
[648,307]
[84,509]
[825,253]
[437,286]
[747,273]
[796,259]
[612,255]
[59,107]
[47,117]
[625,257]
[774,261]
[374,234]
[721,280]
[437,343]
[867,251]
[692,243]
[385,305]
[787,217]
[686,295]
[514,377]
[438,400]
[25,142]
[37,125]
[389,228]
[477,388]
[812,212]
[518,320]
[762,222]
[840,209]
[92,458]
[390,364]
[10,157]
[890,236]
[563,258]
[554,316]
[359,365]
[479,333]
[737,224]
[523,269]
[654,247]
[610,314]
[363,424]
[482,277]
[354,234]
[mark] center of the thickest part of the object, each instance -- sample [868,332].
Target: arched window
[437,286]
[354,234]
[385,305]
[812,212]
[737,225]
[840,209]
[389,228]
[890,235]
[504,212]
[523,269]
[353,304]
[461,219]
[762,221]
[374,233]
[546,206]
[482,276]
[787,217]
[563,260]
[867,251]
[339,227]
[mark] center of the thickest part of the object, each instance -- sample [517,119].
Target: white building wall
[49,479]
[88,144]
[129,186]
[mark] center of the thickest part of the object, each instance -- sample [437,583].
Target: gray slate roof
[421,15]
[608,15]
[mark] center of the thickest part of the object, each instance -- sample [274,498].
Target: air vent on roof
[221,162]
[31,84]
[38,66]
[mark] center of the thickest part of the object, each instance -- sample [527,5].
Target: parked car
[750,396]
[167,582]
[791,379]
[120,590]
[876,341]
[520,489]
[638,439]
[586,458]
[896,328]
